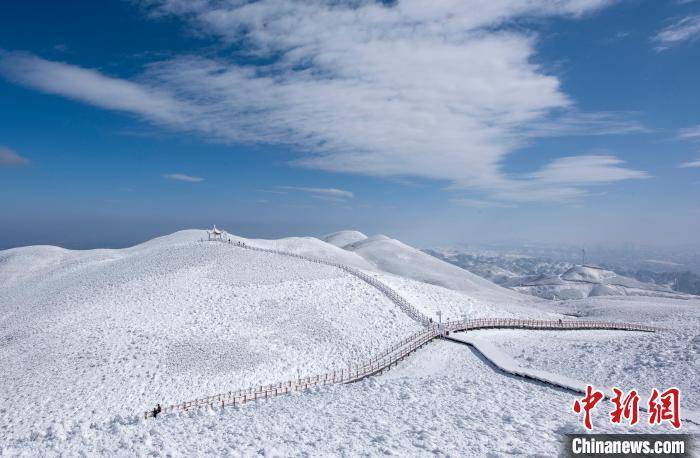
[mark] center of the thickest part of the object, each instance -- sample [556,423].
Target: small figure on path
[156,410]
[560,322]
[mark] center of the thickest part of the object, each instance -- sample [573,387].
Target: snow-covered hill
[93,333]
[552,279]
[343,238]
[89,334]
[88,339]
[586,281]
[392,256]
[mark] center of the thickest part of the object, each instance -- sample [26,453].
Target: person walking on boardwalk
[156,410]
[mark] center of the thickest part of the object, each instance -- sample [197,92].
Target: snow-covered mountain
[175,318]
[585,281]
[89,339]
[392,256]
[343,238]
[552,279]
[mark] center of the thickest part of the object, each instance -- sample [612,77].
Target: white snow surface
[392,256]
[617,358]
[442,400]
[342,239]
[92,338]
[589,281]
[91,334]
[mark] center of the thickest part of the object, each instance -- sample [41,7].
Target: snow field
[441,401]
[92,338]
[176,321]
[614,358]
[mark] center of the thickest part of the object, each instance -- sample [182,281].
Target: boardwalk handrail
[346,374]
[518,323]
[392,295]
[389,357]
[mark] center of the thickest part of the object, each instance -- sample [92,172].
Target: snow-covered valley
[90,339]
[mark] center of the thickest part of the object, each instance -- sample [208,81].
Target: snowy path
[507,364]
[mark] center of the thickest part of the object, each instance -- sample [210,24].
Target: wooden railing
[350,373]
[387,358]
[392,295]
[518,323]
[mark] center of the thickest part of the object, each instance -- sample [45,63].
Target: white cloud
[182,177]
[9,157]
[444,90]
[588,169]
[686,29]
[92,87]
[565,179]
[691,164]
[690,132]
[321,192]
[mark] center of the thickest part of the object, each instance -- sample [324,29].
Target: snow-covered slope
[344,238]
[92,334]
[110,332]
[442,400]
[392,256]
[586,281]
[88,339]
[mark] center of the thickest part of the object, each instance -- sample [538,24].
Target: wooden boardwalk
[388,358]
[384,360]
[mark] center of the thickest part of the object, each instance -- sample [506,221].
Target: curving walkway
[386,359]
[356,371]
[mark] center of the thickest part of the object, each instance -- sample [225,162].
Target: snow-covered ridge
[585,281]
[394,257]
[173,318]
[341,239]
[559,279]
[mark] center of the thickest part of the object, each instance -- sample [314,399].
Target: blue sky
[565,121]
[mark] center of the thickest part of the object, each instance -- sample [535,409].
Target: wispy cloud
[686,29]
[439,90]
[588,169]
[321,192]
[565,179]
[182,177]
[690,133]
[10,158]
[90,86]
[690,164]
